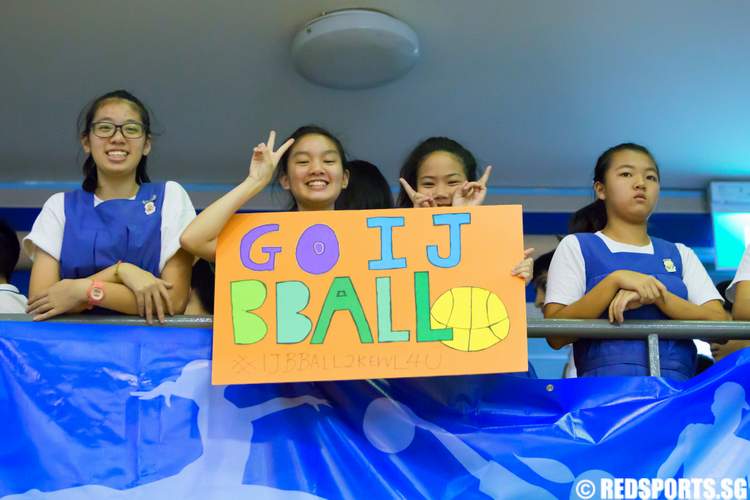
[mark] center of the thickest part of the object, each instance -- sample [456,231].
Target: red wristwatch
[95,293]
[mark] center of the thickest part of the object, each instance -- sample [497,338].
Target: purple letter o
[317,249]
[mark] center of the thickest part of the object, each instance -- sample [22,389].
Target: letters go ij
[317,253]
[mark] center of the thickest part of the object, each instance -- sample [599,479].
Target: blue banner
[94,412]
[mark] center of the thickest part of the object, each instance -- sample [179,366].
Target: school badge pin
[669,266]
[148,206]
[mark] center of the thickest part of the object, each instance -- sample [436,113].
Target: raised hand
[647,287]
[419,200]
[151,293]
[624,300]
[472,193]
[525,268]
[265,159]
[62,297]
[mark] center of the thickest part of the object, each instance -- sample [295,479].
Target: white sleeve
[566,278]
[176,213]
[743,274]
[47,231]
[699,285]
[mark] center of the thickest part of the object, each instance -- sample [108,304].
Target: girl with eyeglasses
[114,243]
[611,268]
[310,167]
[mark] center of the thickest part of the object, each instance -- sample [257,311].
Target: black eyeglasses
[105,130]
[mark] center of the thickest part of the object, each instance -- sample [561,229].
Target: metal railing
[651,331]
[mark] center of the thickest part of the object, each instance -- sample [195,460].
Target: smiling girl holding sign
[445,175]
[618,271]
[311,169]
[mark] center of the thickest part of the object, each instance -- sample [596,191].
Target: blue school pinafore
[630,357]
[97,237]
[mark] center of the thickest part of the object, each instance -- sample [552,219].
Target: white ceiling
[537,88]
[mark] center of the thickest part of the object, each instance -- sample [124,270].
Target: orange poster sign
[303,296]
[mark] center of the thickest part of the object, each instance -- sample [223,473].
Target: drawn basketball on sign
[477,316]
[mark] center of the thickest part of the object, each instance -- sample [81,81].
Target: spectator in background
[202,284]
[367,188]
[539,279]
[11,300]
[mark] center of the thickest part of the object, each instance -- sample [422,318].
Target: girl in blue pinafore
[611,268]
[112,245]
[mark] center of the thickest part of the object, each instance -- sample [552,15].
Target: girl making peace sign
[445,174]
[311,169]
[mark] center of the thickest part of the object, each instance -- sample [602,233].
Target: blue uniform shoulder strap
[590,243]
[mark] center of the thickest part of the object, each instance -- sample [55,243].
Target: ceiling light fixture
[354,49]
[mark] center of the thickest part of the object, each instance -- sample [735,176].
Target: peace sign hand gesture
[265,159]
[472,193]
[418,199]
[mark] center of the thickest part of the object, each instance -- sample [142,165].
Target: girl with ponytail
[611,268]
[113,244]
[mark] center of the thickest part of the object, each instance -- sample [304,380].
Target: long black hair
[283,168]
[410,168]
[593,217]
[86,118]
[367,188]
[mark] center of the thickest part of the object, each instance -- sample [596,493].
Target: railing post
[654,365]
